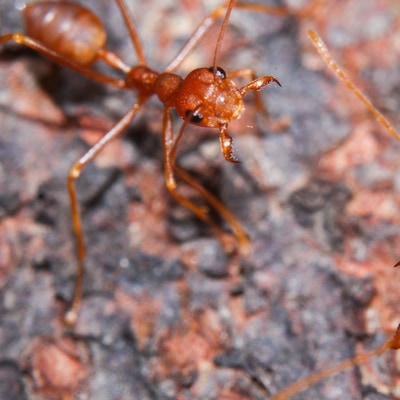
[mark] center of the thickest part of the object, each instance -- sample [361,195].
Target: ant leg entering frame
[326,56]
[391,344]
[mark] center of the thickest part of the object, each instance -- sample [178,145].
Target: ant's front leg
[281,11]
[171,168]
[249,73]
[255,85]
[209,21]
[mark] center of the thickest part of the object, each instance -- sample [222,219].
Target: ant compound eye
[193,116]
[218,72]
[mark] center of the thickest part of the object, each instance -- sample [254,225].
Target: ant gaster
[206,97]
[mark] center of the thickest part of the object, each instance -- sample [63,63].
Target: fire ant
[206,97]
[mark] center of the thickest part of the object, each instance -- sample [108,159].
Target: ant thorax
[208,98]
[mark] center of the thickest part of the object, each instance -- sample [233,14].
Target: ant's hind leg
[64,61]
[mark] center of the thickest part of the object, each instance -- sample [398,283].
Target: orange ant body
[73,36]
[206,97]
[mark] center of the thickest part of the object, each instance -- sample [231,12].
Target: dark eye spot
[193,116]
[218,72]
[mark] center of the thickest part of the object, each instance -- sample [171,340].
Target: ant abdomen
[66,28]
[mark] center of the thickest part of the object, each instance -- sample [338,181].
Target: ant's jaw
[227,145]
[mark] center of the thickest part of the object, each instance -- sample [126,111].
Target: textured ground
[167,315]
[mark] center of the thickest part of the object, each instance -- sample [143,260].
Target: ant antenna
[221,34]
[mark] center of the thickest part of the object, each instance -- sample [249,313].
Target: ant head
[208,98]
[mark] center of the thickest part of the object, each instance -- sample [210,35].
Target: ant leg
[258,84]
[195,38]
[74,173]
[112,60]
[238,231]
[220,11]
[391,344]
[133,32]
[326,56]
[331,63]
[309,9]
[170,146]
[62,60]
[209,21]
[249,73]
[281,11]
[169,160]
[273,10]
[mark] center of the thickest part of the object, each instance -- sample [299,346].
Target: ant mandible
[206,97]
